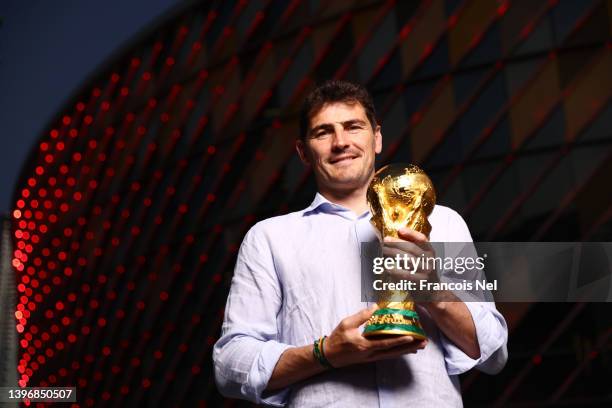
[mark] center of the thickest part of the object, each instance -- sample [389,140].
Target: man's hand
[415,246]
[449,313]
[346,345]
[412,244]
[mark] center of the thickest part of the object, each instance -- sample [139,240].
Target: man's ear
[300,147]
[377,140]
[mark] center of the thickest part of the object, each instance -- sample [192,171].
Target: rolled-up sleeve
[492,334]
[247,351]
[491,327]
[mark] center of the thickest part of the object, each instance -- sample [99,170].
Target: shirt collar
[322,204]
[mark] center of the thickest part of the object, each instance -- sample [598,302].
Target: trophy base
[386,333]
[390,322]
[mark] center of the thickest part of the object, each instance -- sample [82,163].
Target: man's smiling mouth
[342,159]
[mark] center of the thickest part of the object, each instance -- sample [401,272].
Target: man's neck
[354,200]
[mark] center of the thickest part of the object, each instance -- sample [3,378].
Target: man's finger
[360,317]
[416,248]
[409,234]
[415,237]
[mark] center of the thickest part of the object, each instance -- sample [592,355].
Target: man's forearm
[295,364]
[455,321]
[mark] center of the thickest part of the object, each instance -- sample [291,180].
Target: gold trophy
[400,195]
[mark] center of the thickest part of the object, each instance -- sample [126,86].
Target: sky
[48,49]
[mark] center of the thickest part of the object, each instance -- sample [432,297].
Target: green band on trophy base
[403,312]
[390,321]
[404,329]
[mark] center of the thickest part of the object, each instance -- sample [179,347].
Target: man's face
[340,146]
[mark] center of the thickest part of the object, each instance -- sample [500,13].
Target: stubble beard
[350,182]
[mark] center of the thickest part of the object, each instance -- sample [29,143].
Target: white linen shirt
[296,277]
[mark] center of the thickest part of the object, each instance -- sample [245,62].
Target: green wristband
[325,360]
[319,354]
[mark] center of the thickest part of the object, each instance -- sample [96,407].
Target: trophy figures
[400,195]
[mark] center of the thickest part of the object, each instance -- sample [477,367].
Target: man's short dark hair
[333,91]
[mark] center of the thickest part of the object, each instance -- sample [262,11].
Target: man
[297,278]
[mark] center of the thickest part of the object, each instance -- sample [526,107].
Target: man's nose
[340,140]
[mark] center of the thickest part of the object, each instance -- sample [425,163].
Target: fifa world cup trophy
[400,195]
